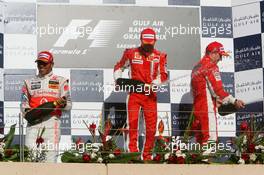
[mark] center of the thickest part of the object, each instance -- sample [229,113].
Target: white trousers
[51,137]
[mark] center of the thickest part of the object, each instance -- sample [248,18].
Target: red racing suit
[35,92]
[207,89]
[150,69]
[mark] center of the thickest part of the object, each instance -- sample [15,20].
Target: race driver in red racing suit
[45,87]
[148,65]
[208,93]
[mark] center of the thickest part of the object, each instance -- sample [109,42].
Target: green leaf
[188,128]
[10,136]
[69,157]
[42,131]
[127,158]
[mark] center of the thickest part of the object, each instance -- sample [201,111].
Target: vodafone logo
[43,100]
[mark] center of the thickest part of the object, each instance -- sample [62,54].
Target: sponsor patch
[137,55]
[155,60]
[35,85]
[217,76]
[53,84]
[137,61]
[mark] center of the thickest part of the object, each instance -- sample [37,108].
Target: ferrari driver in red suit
[148,65]
[208,93]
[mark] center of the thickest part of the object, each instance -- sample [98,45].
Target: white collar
[45,76]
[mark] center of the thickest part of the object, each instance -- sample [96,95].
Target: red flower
[108,127]
[172,159]
[157,158]
[79,142]
[160,137]
[251,148]
[194,156]
[160,127]
[180,160]
[245,156]
[244,126]
[86,157]
[167,140]
[117,152]
[8,152]
[107,130]
[92,128]
[39,141]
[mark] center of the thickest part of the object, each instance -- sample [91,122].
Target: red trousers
[149,105]
[205,121]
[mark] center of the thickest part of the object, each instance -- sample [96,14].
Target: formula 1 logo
[100,33]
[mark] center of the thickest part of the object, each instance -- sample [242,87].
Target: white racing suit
[35,92]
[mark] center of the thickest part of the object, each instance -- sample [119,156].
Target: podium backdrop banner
[89,33]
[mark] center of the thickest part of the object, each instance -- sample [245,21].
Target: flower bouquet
[248,146]
[38,153]
[172,150]
[106,151]
[9,152]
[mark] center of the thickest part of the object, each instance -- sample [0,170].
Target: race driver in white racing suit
[45,87]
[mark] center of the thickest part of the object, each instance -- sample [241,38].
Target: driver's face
[44,68]
[215,57]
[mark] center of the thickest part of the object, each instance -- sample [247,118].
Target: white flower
[76,154]
[2,144]
[100,160]
[259,147]
[183,155]
[111,156]
[97,144]
[93,155]
[42,146]
[108,138]
[96,147]
[241,161]
[166,156]
[167,148]
[253,157]
[2,136]
[244,140]
[2,150]
[178,152]
[238,153]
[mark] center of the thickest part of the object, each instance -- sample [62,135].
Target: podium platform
[12,168]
